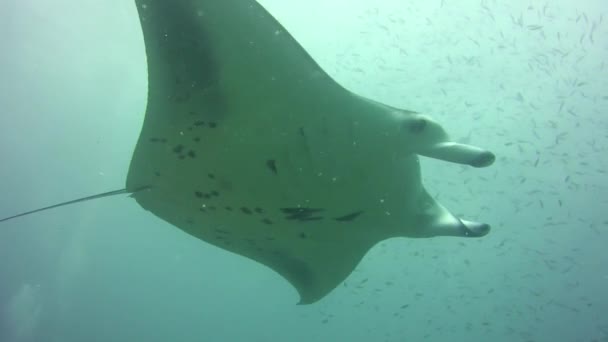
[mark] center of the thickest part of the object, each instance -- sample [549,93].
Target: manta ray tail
[83,199]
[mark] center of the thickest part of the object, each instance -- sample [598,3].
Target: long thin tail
[83,199]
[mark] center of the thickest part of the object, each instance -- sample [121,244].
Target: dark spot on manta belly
[302,214]
[349,217]
[178,148]
[301,210]
[272,165]
[246,210]
[191,154]
[267,221]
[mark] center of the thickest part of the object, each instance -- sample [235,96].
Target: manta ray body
[249,145]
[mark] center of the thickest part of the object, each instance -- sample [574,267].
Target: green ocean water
[524,79]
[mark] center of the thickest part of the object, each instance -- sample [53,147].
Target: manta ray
[249,145]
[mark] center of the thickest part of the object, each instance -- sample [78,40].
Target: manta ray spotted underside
[249,145]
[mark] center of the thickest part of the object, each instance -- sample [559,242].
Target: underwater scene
[326,170]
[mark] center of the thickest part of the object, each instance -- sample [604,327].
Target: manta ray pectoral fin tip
[309,296]
[307,301]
